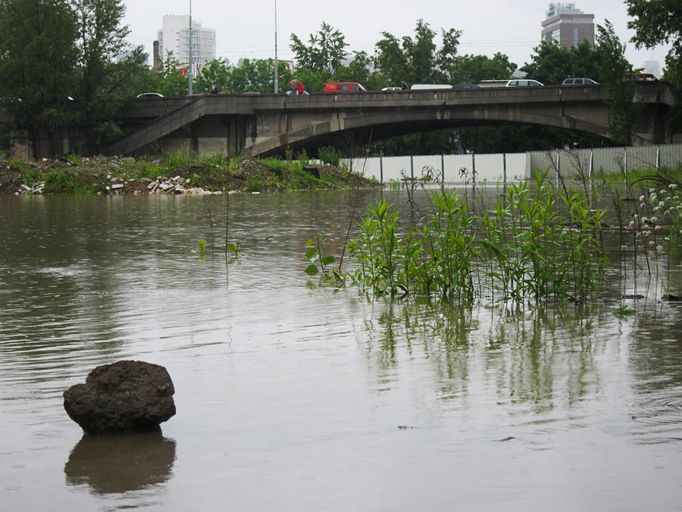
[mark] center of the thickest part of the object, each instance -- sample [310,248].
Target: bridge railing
[513,167]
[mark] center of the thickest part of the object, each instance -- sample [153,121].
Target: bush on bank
[76,175]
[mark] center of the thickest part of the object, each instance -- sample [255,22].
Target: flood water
[296,397]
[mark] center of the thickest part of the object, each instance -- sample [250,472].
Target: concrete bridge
[257,125]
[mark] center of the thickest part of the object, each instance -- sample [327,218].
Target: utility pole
[276,62]
[189,69]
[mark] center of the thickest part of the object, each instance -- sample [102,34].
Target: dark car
[466,85]
[584,82]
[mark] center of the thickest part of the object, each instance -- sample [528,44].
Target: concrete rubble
[160,185]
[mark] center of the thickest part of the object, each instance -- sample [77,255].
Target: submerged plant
[318,263]
[234,248]
[623,311]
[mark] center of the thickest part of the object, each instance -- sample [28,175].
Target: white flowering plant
[665,207]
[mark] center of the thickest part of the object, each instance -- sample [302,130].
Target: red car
[343,87]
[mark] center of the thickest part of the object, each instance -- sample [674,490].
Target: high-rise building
[174,37]
[567,26]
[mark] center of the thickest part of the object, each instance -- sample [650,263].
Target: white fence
[510,167]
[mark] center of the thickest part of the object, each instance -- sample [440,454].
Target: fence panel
[608,160]
[368,167]
[458,168]
[423,163]
[395,167]
[489,167]
[642,157]
[517,164]
[671,156]
[542,161]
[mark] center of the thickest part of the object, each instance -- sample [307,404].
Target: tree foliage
[37,61]
[474,68]
[417,59]
[658,22]
[551,63]
[324,51]
[613,65]
[249,75]
[53,50]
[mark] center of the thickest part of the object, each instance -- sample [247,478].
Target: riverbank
[172,174]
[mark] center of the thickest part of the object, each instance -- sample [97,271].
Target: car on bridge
[639,76]
[148,95]
[524,82]
[343,88]
[430,87]
[579,81]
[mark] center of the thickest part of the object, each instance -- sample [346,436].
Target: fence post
[625,159]
[558,166]
[412,167]
[504,169]
[658,157]
[473,172]
[442,168]
[381,169]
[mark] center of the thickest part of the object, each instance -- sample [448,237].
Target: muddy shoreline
[120,176]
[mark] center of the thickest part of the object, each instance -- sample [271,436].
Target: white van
[492,83]
[524,82]
[430,87]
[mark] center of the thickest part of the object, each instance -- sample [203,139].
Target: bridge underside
[256,125]
[272,133]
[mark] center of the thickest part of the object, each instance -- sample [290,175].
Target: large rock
[125,396]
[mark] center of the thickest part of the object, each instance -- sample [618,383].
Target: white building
[174,37]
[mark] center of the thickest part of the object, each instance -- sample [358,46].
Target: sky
[247,28]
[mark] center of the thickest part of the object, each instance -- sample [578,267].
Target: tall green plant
[538,243]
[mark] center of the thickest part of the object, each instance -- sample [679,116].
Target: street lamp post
[276,62]
[189,70]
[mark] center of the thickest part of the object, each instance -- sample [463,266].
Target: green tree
[613,66]
[357,70]
[324,51]
[169,80]
[254,75]
[657,22]
[37,56]
[101,38]
[416,59]
[214,73]
[551,63]
[474,68]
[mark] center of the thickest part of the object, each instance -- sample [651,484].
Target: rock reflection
[120,463]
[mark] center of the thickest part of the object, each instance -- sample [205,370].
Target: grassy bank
[100,175]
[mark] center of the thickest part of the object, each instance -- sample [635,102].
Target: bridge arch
[255,125]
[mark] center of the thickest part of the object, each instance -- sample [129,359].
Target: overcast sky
[246,28]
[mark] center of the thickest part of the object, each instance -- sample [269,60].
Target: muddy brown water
[294,397]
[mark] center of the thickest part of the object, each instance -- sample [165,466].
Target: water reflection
[534,356]
[121,463]
[656,360]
